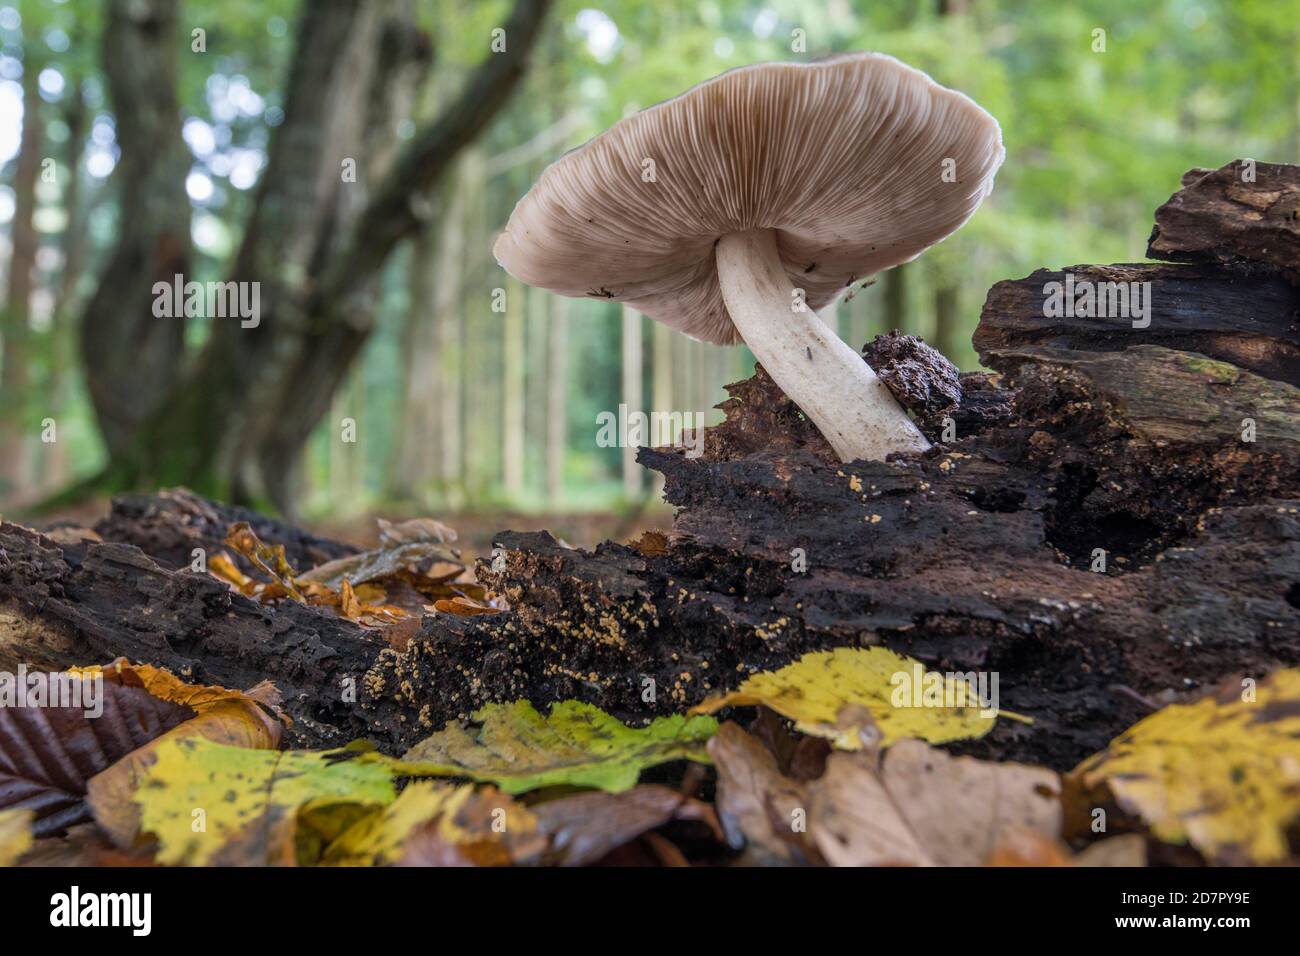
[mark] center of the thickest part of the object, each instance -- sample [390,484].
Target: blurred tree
[236,426]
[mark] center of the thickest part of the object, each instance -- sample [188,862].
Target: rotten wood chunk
[169,525]
[1252,321]
[1243,214]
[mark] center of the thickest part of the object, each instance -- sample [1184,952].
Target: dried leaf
[414,529]
[232,717]
[815,690]
[463,607]
[270,560]
[15,834]
[585,827]
[759,807]
[518,749]
[917,806]
[1222,774]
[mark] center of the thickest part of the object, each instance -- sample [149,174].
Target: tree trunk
[947,321]
[132,357]
[896,300]
[15,333]
[316,243]
[557,399]
[513,340]
[631,397]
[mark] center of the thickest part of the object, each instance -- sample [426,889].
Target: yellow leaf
[1222,774]
[199,796]
[15,834]
[826,693]
[480,825]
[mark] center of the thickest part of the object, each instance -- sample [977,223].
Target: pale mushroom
[737,209]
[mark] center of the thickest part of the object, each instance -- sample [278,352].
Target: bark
[132,358]
[15,332]
[1235,215]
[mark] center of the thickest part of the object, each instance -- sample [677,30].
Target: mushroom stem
[829,381]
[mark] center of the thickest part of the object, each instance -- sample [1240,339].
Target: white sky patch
[198,134]
[6,205]
[199,186]
[51,83]
[600,32]
[247,163]
[723,47]
[100,162]
[764,23]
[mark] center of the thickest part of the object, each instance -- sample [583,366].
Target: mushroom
[736,210]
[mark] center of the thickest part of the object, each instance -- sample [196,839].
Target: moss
[1221,373]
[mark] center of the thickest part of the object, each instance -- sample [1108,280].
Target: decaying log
[1243,214]
[1252,321]
[85,602]
[1114,523]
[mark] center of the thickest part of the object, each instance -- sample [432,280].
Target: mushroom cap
[842,157]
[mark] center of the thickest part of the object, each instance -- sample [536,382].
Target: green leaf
[200,796]
[515,747]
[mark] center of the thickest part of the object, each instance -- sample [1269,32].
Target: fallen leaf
[463,607]
[585,827]
[518,749]
[918,806]
[761,810]
[269,560]
[235,721]
[48,754]
[477,826]
[815,690]
[1222,773]
[412,558]
[245,796]
[651,544]
[15,834]
[1021,846]
[414,529]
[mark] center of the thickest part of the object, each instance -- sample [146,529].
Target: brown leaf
[49,754]
[759,808]
[463,607]
[651,544]
[917,806]
[270,560]
[584,827]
